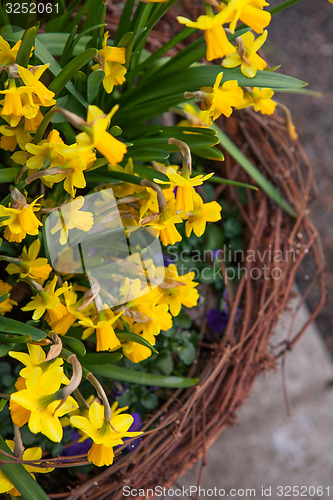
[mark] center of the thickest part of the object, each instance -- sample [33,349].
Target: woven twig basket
[181,431]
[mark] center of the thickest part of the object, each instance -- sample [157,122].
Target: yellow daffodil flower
[21,219]
[185,187]
[97,137]
[75,160]
[111,60]
[184,294]
[13,136]
[166,229]
[44,150]
[260,100]
[6,305]
[105,435]
[18,102]
[30,266]
[192,117]
[73,218]
[63,316]
[29,454]
[249,12]
[41,399]
[201,214]
[30,78]
[105,334]
[217,42]
[8,55]
[219,100]
[36,357]
[246,56]
[26,100]
[46,299]
[19,414]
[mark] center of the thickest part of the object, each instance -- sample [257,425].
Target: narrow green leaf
[4,297]
[117,176]
[8,325]
[179,37]
[94,81]
[28,41]
[256,175]
[67,50]
[4,348]
[44,55]
[283,5]
[220,180]
[20,477]
[133,337]
[70,69]
[163,8]
[101,358]
[127,41]
[124,21]
[74,345]
[21,339]
[123,374]
[209,154]
[8,174]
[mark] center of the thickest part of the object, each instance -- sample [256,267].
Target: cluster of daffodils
[59,146]
[41,402]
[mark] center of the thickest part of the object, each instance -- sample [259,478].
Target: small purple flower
[136,426]
[167,260]
[217,320]
[118,390]
[76,448]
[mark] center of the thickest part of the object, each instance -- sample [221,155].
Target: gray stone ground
[301,39]
[267,447]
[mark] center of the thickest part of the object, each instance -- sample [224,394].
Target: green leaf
[165,364]
[20,477]
[4,297]
[125,20]
[117,176]
[8,174]
[94,81]
[101,358]
[256,175]
[137,377]
[4,349]
[67,73]
[149,401]
[127,42]
[8,325]
[21,339]
[133,337]
[187,353]
[28,41]
[210,154]
[220,180]
[281,6]
[44,55]
[67,50]
[74,345]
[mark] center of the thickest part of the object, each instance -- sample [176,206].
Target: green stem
[282,6]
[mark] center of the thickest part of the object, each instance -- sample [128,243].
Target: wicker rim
[183,429]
